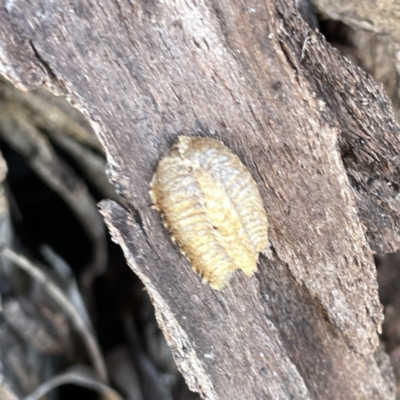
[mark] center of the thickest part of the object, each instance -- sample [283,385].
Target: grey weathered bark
[317,134]
[373,38]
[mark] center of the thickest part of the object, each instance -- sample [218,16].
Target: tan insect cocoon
[211,205]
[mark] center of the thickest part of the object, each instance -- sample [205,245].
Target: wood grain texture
[317,135]
[212,206]
[368,132]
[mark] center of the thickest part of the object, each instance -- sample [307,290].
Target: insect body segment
[212,207]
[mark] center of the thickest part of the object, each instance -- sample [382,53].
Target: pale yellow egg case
[212,206]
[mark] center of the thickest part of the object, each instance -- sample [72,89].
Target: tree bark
[317,134]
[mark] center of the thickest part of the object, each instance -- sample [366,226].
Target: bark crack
[45,65]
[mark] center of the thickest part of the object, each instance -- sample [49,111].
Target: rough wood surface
[318,136]
[371,38]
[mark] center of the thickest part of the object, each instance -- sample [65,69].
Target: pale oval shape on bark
[212,206]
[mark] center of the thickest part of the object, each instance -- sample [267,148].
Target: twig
[78,376]
[32,144]
[148,374]
[59,297]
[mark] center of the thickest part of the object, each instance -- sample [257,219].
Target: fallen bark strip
[256,77]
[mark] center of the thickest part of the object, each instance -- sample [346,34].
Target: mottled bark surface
[369,137]
[318,136]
